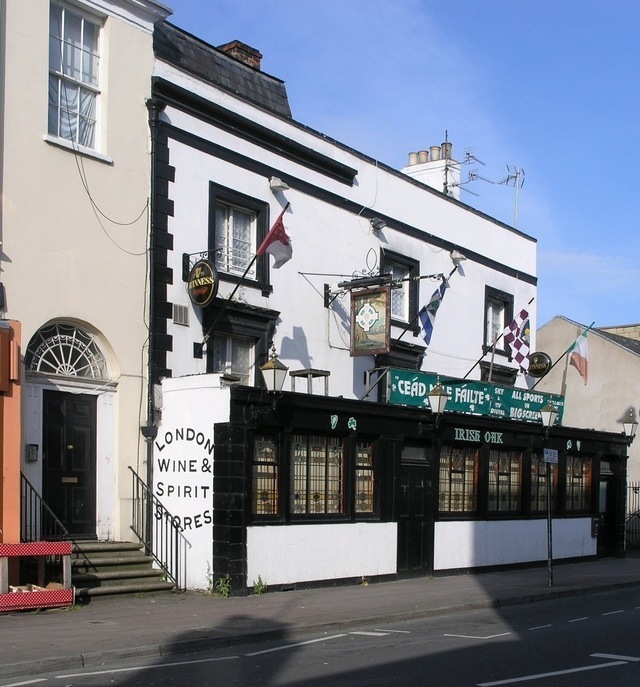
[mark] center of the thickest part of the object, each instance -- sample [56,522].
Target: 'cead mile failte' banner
[408,388]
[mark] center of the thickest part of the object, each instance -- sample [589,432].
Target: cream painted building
[613,378]
[75,183]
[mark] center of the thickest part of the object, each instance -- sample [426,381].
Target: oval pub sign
[203,283]
[539,364]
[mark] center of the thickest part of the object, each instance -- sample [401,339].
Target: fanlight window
[62,349]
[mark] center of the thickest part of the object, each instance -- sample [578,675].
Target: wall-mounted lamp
[276,184]
[457,256]
[438,398]
[377,224]
[630,425]
[274,373]
[548,415]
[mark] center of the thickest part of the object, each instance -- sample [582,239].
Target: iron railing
[160,532]
[37,521]
[632,519]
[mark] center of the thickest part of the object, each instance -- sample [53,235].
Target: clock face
[203,283]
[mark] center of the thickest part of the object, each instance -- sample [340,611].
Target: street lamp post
[549,413]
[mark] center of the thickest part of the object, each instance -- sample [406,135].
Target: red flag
[277,243]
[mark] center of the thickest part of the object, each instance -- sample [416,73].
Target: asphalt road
[588,641]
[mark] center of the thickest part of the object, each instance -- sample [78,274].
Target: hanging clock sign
[539,364]
[202,284]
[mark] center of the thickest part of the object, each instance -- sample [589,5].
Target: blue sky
[547,86]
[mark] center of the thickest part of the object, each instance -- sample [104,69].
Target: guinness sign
[539,364]
[203,283]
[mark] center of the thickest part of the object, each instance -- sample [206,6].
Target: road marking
[540,627]
[290,646]
[539,676]
[133,669]
[28,682]
[379,633]
[612,612]
[616,658]
[502,634]
[578,620]
[400,632]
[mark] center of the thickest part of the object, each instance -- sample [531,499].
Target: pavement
[114,628]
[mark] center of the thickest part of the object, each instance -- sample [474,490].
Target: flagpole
[228,300]
[493,348]
[565,353]
[242,278]
[417,315]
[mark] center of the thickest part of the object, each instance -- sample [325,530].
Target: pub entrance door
[414,514]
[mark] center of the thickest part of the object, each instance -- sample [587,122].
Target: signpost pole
[549,528]
[550,457]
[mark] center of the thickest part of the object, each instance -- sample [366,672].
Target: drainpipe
[155,108]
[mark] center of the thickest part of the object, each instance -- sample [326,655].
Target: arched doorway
[68,365]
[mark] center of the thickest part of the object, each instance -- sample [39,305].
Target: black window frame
[496,295]
[222,195]
[389,257]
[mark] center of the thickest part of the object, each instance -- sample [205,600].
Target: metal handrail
[159,531]
[37,521]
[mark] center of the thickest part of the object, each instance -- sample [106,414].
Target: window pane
[235,238]
[233,355]
[495,320]
[364,477]
[578,478]
[539,484]
[458,479]
[241,242]
[73,60]
[400,295]
[505,480]
[265,476]
[317,475]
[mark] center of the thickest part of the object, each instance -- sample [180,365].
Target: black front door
[69,460]
[415,521]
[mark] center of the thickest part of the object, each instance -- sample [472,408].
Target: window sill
[80,150]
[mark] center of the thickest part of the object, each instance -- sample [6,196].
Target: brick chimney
[243,53]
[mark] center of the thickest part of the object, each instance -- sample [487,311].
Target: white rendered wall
[472,544]
[183,463]
[305,553]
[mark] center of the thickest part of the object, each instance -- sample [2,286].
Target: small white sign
[550,455]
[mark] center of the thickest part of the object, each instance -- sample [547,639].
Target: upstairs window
[498,314]
[74,61]
[404,294]
[237,225]
[233,355]
[235,239]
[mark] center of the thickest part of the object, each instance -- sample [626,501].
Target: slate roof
[193,55]
[632,345]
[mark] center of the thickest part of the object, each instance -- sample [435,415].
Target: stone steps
[105,568]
